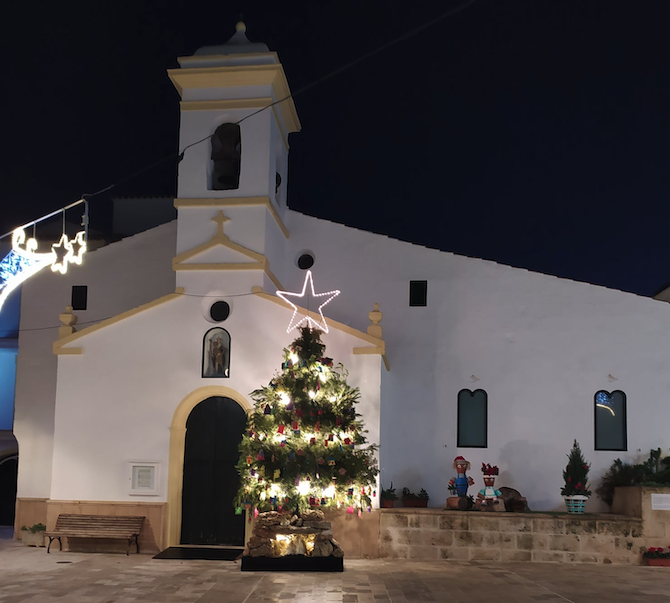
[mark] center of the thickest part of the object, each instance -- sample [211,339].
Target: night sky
[530,132]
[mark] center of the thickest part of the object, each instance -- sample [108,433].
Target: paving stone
[29,575]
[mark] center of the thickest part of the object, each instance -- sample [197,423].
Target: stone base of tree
[285,542]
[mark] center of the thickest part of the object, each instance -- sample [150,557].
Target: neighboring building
[494,363]
[9,347]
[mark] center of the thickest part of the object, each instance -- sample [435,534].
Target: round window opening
[305,261]
[219,311]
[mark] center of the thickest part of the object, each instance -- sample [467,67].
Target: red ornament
[312,441]
[280,429]
[317,427]
[296,427]
[338,421]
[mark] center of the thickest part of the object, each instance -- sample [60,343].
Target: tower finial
[240,25]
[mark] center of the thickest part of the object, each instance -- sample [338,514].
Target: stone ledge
[408,533]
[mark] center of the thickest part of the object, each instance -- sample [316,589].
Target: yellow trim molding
[379,351]
[241,75]
[177,444]
[235,202]
[379,345]
[242,103]
[259,261]
[58,348]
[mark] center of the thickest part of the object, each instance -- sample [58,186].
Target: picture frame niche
[216,354]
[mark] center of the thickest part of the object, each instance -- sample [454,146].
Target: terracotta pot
[457,503]
[658,561]
[414,502]
[387,504]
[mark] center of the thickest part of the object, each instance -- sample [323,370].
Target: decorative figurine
[461,481]
[487,497]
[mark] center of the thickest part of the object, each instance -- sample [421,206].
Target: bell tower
[236,116]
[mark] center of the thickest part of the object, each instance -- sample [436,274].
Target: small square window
[418,293]
[143,478]
[79,297]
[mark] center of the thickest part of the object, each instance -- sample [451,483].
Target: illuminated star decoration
[78,248]
[324,298]
[23,261]
[67,251]
[61,251]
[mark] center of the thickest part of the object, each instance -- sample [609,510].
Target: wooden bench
[97,526]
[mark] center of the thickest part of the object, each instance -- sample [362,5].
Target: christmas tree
[305,444]
[576,474]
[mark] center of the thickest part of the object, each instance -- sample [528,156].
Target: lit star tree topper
[305,444]
[321,298]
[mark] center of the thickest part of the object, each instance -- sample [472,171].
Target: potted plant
[575,476]
[657,556]
[388,497]
[459,503]
[409,499]
[34,535]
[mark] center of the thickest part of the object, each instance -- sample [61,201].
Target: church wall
[119,277]
[206,283]
[540,346]
[116,401]
[246,226]
[277,250]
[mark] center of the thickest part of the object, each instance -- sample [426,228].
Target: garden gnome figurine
[461,481]
[487,497]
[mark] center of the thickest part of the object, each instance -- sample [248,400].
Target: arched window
[610,420]
[216,353]
[226,157]
[472,419]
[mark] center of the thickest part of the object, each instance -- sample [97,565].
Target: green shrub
[38,527]
[654,471]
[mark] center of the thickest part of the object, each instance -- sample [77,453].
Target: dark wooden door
[213,433]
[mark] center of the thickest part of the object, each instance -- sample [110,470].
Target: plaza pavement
[29,574]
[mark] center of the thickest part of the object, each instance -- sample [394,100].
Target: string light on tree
[307,320]
[305,445]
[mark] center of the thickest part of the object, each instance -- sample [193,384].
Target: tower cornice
[187,78]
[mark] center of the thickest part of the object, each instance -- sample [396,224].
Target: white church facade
[472,358]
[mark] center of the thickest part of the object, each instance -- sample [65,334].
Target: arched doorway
[214,430]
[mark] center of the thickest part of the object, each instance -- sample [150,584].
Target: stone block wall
[536,537]
[635,501]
